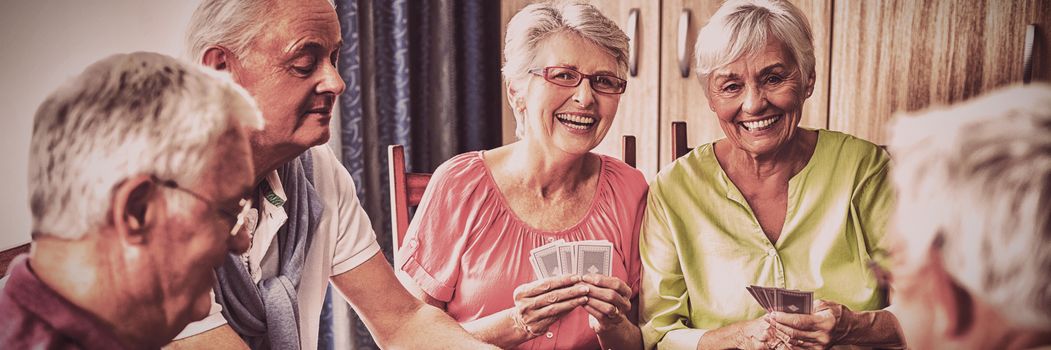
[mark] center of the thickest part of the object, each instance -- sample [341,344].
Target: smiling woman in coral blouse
[468,247]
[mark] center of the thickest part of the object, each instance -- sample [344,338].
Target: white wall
[45,42]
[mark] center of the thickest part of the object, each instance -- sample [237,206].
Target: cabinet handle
[684,28]
[1027,55]
[633,45]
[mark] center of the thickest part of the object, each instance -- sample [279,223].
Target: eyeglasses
[569,77]
[239,219]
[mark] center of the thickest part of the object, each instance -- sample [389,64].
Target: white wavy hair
[742,27]
[233,24]
[128,114]
[975,180]
[537,22]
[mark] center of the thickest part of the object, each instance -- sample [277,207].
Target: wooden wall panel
[682,98]
[638,111]
[895,56]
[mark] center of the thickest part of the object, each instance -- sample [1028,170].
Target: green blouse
[701,244]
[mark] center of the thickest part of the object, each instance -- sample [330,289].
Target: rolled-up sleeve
[437,236]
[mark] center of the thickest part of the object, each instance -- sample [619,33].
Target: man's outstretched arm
[396,318]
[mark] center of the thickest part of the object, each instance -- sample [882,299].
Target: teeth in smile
[759,124]
[578,122]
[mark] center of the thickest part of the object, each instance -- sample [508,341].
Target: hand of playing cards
[783,300]
[583,257]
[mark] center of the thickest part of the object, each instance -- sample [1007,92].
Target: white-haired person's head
[529,28]
[744,27]
[138,173]
[232,24]
[973,222]
[284,53]
[139,113]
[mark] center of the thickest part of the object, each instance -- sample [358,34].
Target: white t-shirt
[343,240]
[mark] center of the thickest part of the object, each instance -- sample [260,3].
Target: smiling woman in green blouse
[772,204]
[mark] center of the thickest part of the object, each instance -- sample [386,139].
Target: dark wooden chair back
[406,189]
[678,140]
[627,150]
[10,254]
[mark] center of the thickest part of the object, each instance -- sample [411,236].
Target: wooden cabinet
[896,56]
[874,58]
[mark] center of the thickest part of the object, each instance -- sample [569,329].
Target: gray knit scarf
[267,315]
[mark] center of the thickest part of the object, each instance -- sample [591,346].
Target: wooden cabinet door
[895,56]
[682,97]
[638,112]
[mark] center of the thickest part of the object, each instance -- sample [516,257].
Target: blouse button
[771,252]
[549,335]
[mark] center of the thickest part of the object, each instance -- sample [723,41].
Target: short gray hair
[974,181]
[536,22]
[742,27]
[232,24]
[128,114]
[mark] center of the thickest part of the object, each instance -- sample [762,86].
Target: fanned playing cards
[783,300]
[564,258]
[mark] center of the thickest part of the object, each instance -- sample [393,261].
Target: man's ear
[958,304]
[132,208]
[218,58]
[961,309]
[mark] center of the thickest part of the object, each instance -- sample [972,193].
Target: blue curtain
[422,74]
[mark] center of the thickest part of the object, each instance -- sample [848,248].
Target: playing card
[547,260]
[768,298]
[783,300]
[755,295]
[536,268]
[794,301]
[594,257]
[567,258]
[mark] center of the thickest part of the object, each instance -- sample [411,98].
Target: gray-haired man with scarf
[310,228]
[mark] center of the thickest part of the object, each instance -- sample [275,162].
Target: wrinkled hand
[540,303]
[814,331]
[609,301]
[758,334]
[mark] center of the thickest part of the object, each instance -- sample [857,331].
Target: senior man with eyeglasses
[137,172]
[308,228]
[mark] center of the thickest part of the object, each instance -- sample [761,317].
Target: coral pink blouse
[468,249]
